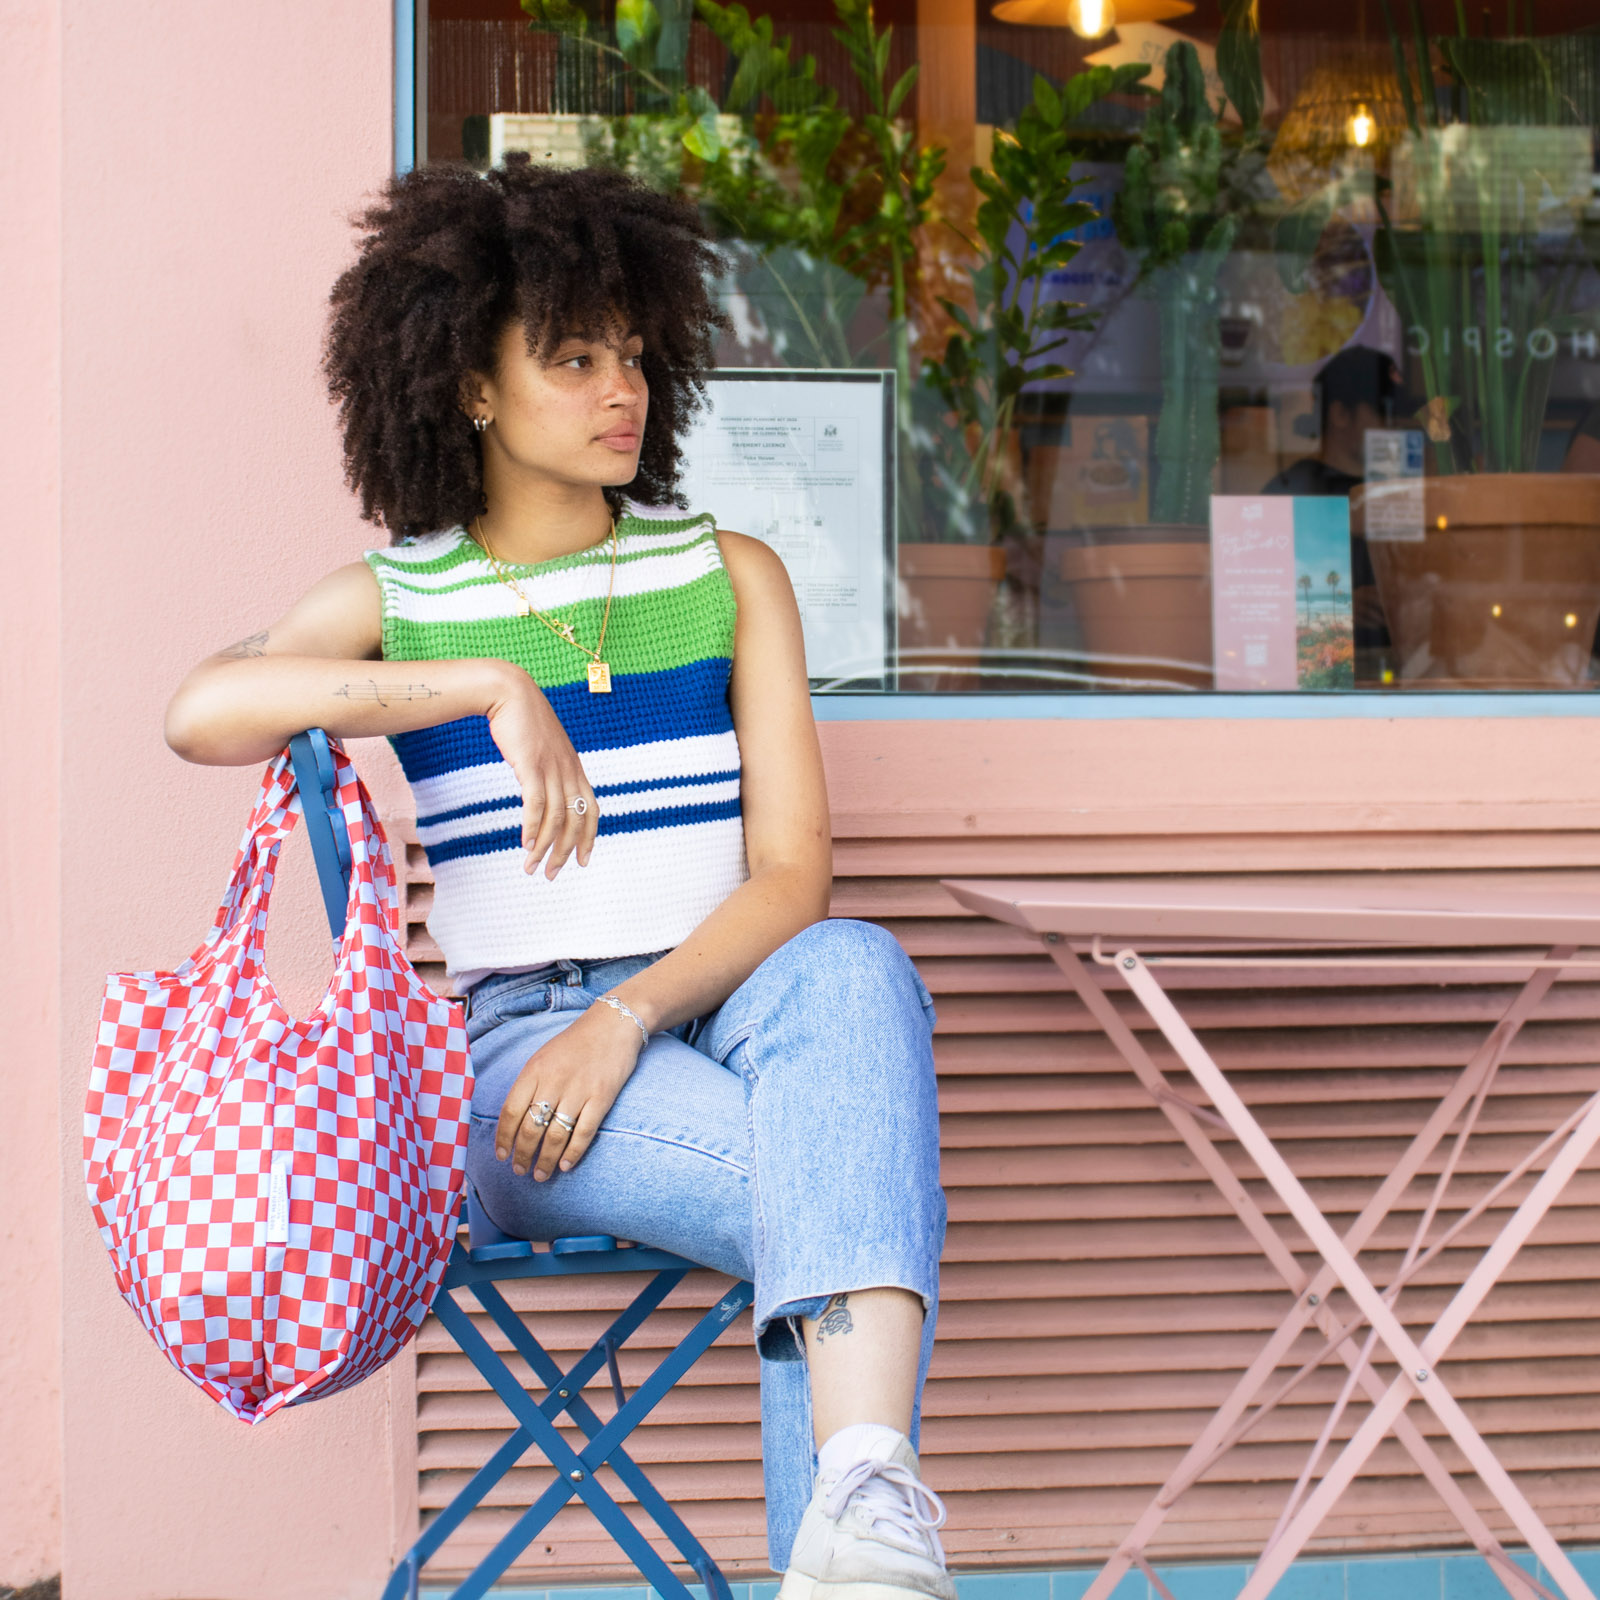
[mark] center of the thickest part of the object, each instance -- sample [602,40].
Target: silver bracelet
[619,1005]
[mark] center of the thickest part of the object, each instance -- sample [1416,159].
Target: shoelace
[891,1494]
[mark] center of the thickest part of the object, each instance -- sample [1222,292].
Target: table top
[1481,909]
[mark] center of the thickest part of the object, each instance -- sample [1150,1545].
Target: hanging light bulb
[1362,126]
[1090,19]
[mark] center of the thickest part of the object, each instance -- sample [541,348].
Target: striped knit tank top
[659,751]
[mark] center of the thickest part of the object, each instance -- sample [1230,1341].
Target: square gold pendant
[599,677]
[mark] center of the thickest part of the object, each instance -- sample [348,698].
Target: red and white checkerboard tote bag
[279,1195]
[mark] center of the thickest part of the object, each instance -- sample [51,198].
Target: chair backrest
[311,756]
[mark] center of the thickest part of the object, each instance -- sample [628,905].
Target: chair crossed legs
[479,1266]
[488,1258]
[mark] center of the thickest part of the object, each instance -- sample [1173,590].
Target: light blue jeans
[790,1137]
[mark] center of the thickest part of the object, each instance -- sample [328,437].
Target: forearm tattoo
[835,1318]
[385,694]
[246,649]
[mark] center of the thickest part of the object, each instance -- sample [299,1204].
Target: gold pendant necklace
[599,668]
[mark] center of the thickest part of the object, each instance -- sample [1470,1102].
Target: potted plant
[1026,222]
[1143,594]
[837,216]
[1483,238]
[827,219]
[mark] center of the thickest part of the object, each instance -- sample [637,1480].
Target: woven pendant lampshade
[1351,104]
[1090,18]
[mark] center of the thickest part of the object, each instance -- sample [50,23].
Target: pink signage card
[1280,592]
[1252,591]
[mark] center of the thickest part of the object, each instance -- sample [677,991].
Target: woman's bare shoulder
[753,563]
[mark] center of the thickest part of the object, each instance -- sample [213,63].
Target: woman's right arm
[320,666]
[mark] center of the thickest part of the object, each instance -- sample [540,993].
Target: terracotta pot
[1503,589]
[1143,598]
[946,592]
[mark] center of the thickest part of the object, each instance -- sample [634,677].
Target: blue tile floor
[1420,1577]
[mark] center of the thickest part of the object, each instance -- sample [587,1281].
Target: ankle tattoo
[835,1318]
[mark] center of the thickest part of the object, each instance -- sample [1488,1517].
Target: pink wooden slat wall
[1098,1294]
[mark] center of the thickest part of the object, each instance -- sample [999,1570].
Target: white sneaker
[870,1532]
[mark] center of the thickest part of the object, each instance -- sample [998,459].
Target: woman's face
[576,416]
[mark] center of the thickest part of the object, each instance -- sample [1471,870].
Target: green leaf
[880,54]
[1402,67]
[557,16]
[672,37]
[1046,100]
[901,89]
[704,137]
[1239,60]
[637,24]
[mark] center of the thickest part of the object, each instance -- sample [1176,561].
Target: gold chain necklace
[599,667]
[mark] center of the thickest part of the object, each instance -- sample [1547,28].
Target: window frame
[410,125]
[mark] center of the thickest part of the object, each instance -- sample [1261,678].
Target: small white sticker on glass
[1393,498]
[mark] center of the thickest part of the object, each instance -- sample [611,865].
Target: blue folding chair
[489,1258]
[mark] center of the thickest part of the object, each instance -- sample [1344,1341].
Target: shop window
[1191,350]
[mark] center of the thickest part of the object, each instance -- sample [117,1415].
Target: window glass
[1135,344]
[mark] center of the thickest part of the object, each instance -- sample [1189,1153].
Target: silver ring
[566,1122]
[540,1106]
[579,804]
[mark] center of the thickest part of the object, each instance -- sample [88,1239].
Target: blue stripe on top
[644,785]
[639,786]
[687,700]
[486,844]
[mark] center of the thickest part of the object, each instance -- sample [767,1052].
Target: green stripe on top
[673,603]
[638,539]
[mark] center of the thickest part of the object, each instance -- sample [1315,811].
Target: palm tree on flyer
[1305,585]
[1333,589]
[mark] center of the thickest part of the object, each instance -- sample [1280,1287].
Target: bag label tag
[278,1198]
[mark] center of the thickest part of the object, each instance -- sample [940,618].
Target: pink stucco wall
[30,402]
[178,177]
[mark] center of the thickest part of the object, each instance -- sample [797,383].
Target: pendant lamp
[1090,19]
[1347,109]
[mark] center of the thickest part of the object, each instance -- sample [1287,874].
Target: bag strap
[312,760]
[357,853]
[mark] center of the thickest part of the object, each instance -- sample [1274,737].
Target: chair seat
[525,1258]
[507,1249]
[489,1246]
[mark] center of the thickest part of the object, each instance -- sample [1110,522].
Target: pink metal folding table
[1355,921]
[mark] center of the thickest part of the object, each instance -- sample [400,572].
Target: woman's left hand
[578,1074]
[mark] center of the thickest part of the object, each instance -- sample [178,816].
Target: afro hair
[449,258]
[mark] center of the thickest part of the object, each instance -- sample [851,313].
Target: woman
[601,704]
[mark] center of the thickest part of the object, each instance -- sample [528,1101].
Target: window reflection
[1227,353]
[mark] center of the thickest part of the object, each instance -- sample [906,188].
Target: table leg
[1225,1427]
[1416,1361]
